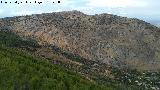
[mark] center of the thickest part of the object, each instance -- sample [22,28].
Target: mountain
[110,51]
[114,40]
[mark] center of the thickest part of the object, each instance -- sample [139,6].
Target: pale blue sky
[148,10]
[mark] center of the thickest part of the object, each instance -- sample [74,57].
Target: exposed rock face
[107,38]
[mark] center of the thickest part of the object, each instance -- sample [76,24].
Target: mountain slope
[114,40]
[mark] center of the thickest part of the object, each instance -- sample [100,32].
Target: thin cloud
[26,12]
[117,3]
[1,11]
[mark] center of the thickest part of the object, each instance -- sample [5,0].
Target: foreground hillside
[21,71]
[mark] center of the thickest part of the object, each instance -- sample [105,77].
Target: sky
[147,10]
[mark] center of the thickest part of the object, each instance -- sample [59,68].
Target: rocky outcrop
[110,39]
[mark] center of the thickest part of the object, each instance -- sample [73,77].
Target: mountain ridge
[111,39]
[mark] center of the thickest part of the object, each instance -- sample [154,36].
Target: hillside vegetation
[21,71]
